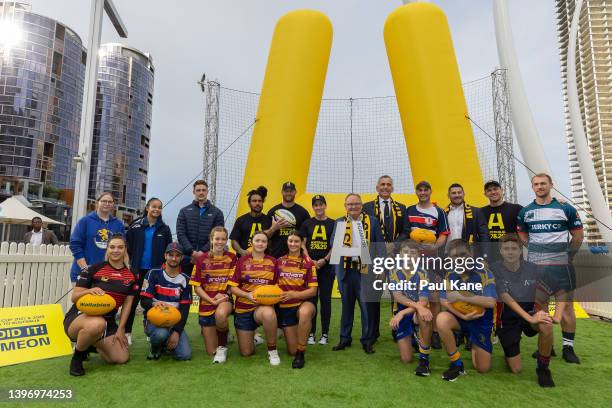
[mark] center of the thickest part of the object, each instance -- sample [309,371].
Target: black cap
[423,184]
[174,247]
[318,197]
[288,185]
[491,183]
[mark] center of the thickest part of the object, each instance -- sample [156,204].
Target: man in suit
[390,216]
[39,235]
[362,233]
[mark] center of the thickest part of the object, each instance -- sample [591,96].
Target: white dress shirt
[36,238]
[455,221]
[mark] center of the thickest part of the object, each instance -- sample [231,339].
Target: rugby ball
[96,305]
[422,235]
[267,294]
[282,214]
[465,307]
[164,316]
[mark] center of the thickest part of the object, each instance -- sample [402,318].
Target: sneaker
[220,355]
[230,338]
[422,369]
[258,339]
[545,378]
[311,339]
[154,354]
[324,339]
[453,372]
[298,361]
[495,340]
[280,333]
[129,338]
[569,355]
[436,344]
[273,357]
[76,367]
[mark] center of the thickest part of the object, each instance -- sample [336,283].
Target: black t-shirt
[500,221]
[318,236]
[278,244]
[521,285]
[246,225]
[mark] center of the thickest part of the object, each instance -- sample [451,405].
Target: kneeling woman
[254,270]
[102,332]
[297,277]
[209,279]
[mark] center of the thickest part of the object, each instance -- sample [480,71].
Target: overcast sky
[229,40]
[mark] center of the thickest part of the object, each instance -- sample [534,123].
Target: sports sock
[222,338]
[271,347]
[568,339]
[455,358]
[301,347]
[543,362]
[424,352]
[80,354]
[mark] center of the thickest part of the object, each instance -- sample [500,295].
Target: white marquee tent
[14,210]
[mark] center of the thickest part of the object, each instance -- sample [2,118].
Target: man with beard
[500,219]
[248,224]
[281,227]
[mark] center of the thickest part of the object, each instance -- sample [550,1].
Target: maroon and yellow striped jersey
[297,274]
[249,274]
[212,274]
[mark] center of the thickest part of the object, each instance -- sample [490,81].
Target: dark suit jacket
[48,237]
[369,208]
[377,246]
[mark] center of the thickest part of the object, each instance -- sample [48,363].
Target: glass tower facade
[122,127]
[42,69]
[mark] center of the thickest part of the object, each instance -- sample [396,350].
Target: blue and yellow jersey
[454,281]
[411,283]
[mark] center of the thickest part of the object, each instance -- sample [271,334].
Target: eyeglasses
[107,202]
[353,204]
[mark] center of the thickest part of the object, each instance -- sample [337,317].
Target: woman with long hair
[297,277]
[253,270]
[147,239]
[209,280]
[113,277]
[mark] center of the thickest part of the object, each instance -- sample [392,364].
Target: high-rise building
[122,127]
[42,70]
[594,78]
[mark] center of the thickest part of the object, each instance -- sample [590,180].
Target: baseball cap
[174,246]
[318,197]
[492,183]
[288,185]
[422,184]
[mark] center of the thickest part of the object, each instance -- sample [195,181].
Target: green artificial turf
[343,378]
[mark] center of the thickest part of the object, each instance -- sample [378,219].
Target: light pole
[83,158]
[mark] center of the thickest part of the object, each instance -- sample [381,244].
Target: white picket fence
[34,275]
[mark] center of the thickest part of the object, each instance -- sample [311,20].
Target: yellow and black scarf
[469,229]
[349,263]
[396,214]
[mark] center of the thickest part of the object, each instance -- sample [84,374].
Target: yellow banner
[32,333]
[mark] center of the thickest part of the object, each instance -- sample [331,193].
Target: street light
[82,160]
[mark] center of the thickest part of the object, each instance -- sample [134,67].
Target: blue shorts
[406,325]
[556,278]
[287,317]
[208,321]
[245,321]
[480,331]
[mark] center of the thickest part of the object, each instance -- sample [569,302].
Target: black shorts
[509,335]
[111,324]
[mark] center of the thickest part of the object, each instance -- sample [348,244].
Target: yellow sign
[32,333]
